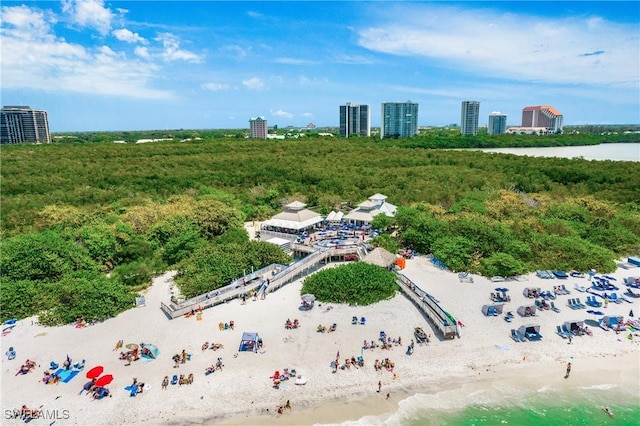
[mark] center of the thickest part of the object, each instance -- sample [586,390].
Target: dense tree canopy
[74,212]
[355,284]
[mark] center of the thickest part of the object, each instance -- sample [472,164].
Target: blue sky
[122,65]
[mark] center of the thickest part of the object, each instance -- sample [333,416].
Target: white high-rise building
[399,120]
[497,123]
[355,120]
[22,124]
[469,117]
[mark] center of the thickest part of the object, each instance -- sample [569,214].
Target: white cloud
[307,114]
[124,34]
[26,22]
[295,61]
[254,83]
[255,14]
[236,51]
[215,86]
[172,50]
[142,52]
[39,60]
[89,13]
[281,113]
[518,47]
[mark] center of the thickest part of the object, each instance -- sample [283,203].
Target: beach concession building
[296,218]
[367,210]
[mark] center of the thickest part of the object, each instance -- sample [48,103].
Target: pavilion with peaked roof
[365,211]
[296,218]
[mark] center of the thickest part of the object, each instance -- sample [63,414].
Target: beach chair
[354,320]
[174,379]
[564,289]
[554,308]
[521,336]
[514,335]
[53,365]
[571,303]
[363,320]
[579,304]
[561,332]
[11,353]
[383,336]
[613,297]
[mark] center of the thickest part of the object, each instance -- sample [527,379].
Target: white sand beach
[242,392]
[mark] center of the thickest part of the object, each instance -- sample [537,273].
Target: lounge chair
[553,307]
[514,335]
[564,289]
[579,304]
[561,332]
[613,297]
[521,336]
[354,320]
[363,321]
[571,303]
[174,379]
[508,317]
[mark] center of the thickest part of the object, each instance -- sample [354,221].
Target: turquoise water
[580,407]
[535,415]
[502,406]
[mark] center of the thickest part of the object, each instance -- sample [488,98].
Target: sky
[97,65]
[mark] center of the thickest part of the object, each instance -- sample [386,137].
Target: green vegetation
[356,284]
[82,219]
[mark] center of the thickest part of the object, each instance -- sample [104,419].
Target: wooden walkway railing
[444,322]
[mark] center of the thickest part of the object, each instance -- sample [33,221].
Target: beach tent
[613,321]
[527,310]
[249,342]
[494,310]
[149,351]
[574,326]
[530,331]
[531,292]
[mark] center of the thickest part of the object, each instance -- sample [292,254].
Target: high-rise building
[258,128]
[542,116]
[469,117]
[23,124]
[399,120]
[497,123]
[354,120]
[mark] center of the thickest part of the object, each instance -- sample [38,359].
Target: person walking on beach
[379,386]
[568,370]
[569,340]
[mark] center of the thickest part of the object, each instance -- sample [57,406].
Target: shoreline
[484,357]
[529,377]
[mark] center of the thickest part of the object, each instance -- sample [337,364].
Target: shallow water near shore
[582,406]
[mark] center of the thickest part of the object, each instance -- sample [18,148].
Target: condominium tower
[258,128]
[355,120]
[469,117]
[542,116]
[399,120]
[497,123]
[23,124]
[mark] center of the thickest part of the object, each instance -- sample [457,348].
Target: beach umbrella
[308,298]
[132,346]
[104,380]
[95,372]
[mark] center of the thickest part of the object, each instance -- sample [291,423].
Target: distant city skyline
[142,65]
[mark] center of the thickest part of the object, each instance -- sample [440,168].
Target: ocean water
[575,407]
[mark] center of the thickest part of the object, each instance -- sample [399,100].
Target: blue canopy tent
[249,342]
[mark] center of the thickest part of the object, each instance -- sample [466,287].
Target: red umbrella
[95,372]
[104,380]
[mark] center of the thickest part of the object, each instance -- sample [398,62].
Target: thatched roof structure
[380,257]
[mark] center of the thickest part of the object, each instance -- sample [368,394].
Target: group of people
[291,325]
[27,367]
[226,325]
[130,356]
[214,346]
[385,364]
[180,358]
[280,377]
[217,366]
[50,378]
[321,328]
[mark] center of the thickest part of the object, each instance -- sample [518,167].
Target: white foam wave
[605,386]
